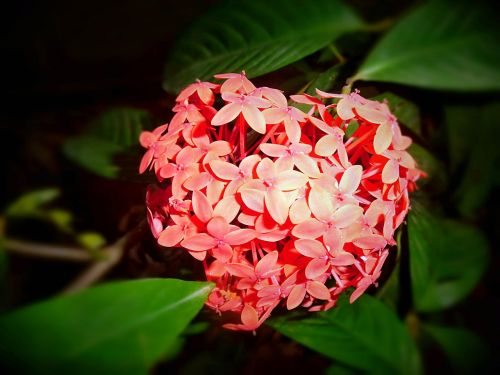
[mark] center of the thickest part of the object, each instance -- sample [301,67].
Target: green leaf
[474,162]
[433,167]
[449,45]
[117,328]
[257,36]
[366,335]
[406,111]
[30,204]
[108,135]
[324,81]
[466,351]
[447,259]
[91,240]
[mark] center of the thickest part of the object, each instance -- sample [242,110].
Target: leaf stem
[33,249]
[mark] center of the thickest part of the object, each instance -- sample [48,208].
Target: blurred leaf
[474,162]
[366,335]
[389,292]
[447,259]
[108,135]
[121,327]
[30,204]
[406,111]
[450,45]
[196,328]
[324,81]
[339,369]
[256,36]
[433,167]
[62,219]
[466,351]
[91,240]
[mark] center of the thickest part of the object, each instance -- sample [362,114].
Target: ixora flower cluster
[279,205]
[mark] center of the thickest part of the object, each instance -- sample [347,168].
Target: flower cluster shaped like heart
[280,205]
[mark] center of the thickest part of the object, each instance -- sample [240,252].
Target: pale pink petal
[309,229]
[273,115]
[343,259]
[214,191]
[222,252]
[333,239]
[316,268]
[228,208]
[307,165]
[362,286]
[218,227]
[249,316]
[310,248]
[292,129]
[383,138]
[290,180]
[346,215]
[224,170]
[146,160]
[350,179]
[371,113]
[327,145]
[197,182]
[186,156]
[296,296]
[198,255]
[248,164]
[240,236]
[344,108]
[226,114]
[240,270]
[320,203]
[253,199]
[171,236]
[201,207]
[273,150]
[276,203]
[199,242]
[206,95]
[390,173]
[318,290]
[220,148]
[186,93]
[267,264]
[373,241]
[168,170]
[254,118]
[275,96]
[266,169]
[146,139]
[299,211]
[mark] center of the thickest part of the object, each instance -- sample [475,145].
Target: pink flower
[280,206]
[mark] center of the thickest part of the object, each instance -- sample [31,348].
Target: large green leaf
[108,135]
[450,45]
[257,36]
[406,111]
[366,335]
[473,153]
[447,259]
[118,328]
[466,351]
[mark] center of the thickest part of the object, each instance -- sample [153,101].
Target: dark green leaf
[108,135]
[366,335]
[474,162]
[30,204]
[451,45]
[447,259]
[436,177]
[118,328]
[324,81]
[466,351]
[257,36]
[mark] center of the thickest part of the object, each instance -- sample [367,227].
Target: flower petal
[249,316]
[320,203]
[350,179]
[240,236]
[273,150]
[228,208]
[307,165]
[390,173]
[224,170]
[277,205]
[308,229]
[171,236]
[273,115]
[318,290]
[199,242]
[296,296]
[373,241]
[290,180]
[254,118]
[316,268]
[299,211]
[346,215]
[327,145]
[383,138]
[310,248]
[226,114]
[253,199]
[267,265]
[201,207]
[218,227]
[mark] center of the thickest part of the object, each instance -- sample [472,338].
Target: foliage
[120,327]
[437,67]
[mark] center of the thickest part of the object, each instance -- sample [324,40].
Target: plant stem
[71,254]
